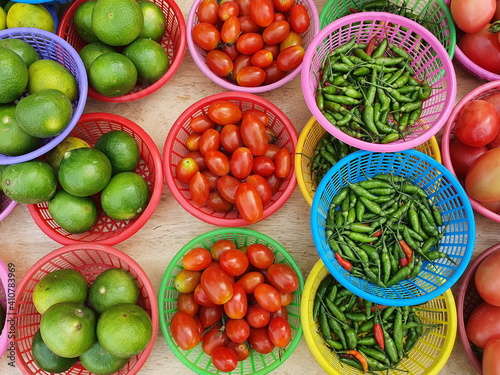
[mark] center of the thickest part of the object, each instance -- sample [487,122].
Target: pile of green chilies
[367,336]
[383,228]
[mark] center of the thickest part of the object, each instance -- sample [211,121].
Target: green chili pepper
[402,274]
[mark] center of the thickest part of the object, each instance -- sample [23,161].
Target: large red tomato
[482,48]
[470,17]
[463,156]
[487,279]
[491,360]
[478,123]
[483,324]
[483,179]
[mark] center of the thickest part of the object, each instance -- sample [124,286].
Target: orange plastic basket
[108,231]
[91,260]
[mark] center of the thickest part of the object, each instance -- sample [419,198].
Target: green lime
[14,140]
[83,21]
[46,359]
[49,74]
[64,285]
[149,58]
[92,51]
[30,15]
[22,48]
[54,156]
[68,329]
[154,21]
[3,19]
[125,197]
[13,76]
[84,171]
[73,214]
[124,330]
[117,22]
[121,149]
[100,362]
[45,113]
[112,74]
[29,182]
[112,287]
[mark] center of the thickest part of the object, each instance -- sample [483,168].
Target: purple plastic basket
[430,62]
[50,46]
[6,205]
[199,54]
[4,272]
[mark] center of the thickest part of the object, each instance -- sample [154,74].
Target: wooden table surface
[23,243]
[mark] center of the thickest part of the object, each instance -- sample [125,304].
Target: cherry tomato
[283,163]
[280,332]
[283,5]
[223,112]
[267,297]
[212,179]
[482,48]
[206,36]
[234,262]
[292,39]
[217,203]
[463,156]
[262,12]
[253,133]
[228,9]
[186,281]
[201,329]
[241,163]
[231,51]
[286,298]
[262,58]
[261,115]
[257,317]
[250,281]
[275,183]
[186,169]
[276,32]
[199,189]
[299,19]
[230,138]
[219,247]
[282,277]
[198,158]
[236,307]
[260,341]
[201,297]
[242,61]
[193,141]
[478,123]
[187,304]
[282,313]
[214,338]
[471,18]
[249,43]
[210,140]
[237,330]
[227,187]
[272,150]
[217,285]
[208,11]
[217,163]
[184,330]
[290,58]
[250,76]
[273,48]
[491,364]
[201,123]
[248,25]
[210,315]
[224,359]
[230,30]
[263,166]
[219,63]
[273,74]
[242,350]
[262,187]
[483,178]
[483,324]
[249,203]
[197,259]
[487,279]
[244,6]
[260,256]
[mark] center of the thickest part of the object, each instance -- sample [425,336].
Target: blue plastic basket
[443,190]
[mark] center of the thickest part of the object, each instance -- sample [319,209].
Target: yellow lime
[83,21]
[30,15]
[99,361]
[13,76]
[149,58]
[92,51]
[14,140]
[154,20]
[113,74]
[50,74]
[22,48]
[54,156]
[121,149]
[46,359]
[73,214]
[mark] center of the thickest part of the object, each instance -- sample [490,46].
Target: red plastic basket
[467,300]
[173,42]
[174,150]
[107,231]
[91,260]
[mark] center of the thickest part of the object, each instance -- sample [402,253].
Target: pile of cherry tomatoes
[252,42]
[233,301]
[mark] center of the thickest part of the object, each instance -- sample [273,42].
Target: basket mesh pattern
[195,358]
[442,189]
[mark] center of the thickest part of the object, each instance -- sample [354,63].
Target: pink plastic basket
[430,62]
[4,282]
[448,135]
[467,300]
[199,54]
[6,206]
[175,149]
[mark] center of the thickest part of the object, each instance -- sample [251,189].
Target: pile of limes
[14,14]
[123,48]
[101,325]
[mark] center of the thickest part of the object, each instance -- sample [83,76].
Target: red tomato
[248,25]
[470,17]
[208,11]
[217,285]
[249,43]
[249,203]
[263,166]
[282,277]
[228,9]
[257,317]
[491,362]
[217,203]
[267,297]
[217,163]
[206,36]
[215,338]
[201,123]
[271,135]
[262,58]
[273,74]
[231,51]
[221,246]
[184,330]
[212,179]
[210,315]
[234,262]
[230,30]
[463,156]
[482,48]
[262,186]
[201,329]
[210,140]
[286,298]
[237,330]
[292,39]
[250,76]
[250,281]
[187,304]
[201,298]
[219,63]
[224,359]
[261,115]
[283,5]
[193,141]
[197,259]
[186,169]
[227,187]
[276,32]
[199,189]
[299,19]
[186,281]
[487,279]
[290,58]
[260,341]
[282,313]
[483,179]
[272,150]
[483,324]
[198,158]
[260,256]
[242,350]
[279,332]
[244,6]
[283,163]
[496,16]
[230,138]
[478,123]
[253,133]
[242,61]
[262,12]
[492,206]
[236,307]
[275,183]
[274,49]
[241,163]
[223,112]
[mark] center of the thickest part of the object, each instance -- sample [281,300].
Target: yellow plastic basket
[427,357]
[310,137]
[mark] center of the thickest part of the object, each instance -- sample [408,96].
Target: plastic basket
[50,46]
[467,300]
[427,357]
[199,54]
[173,42]
[480,92]
[4,295]
[6,206]
[91,260]
[308,140]
[175,149]
[435,12]
[108,231]
[441,187]
[430,63]
[195,359]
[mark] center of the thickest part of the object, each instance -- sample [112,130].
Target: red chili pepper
[344,263]
[352,10]
[377,233]
[407,250]
[403,262]
[361,358]
[378,332]
[377,307]
[371,45]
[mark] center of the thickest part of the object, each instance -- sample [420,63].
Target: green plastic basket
[196,359]
[435,12]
